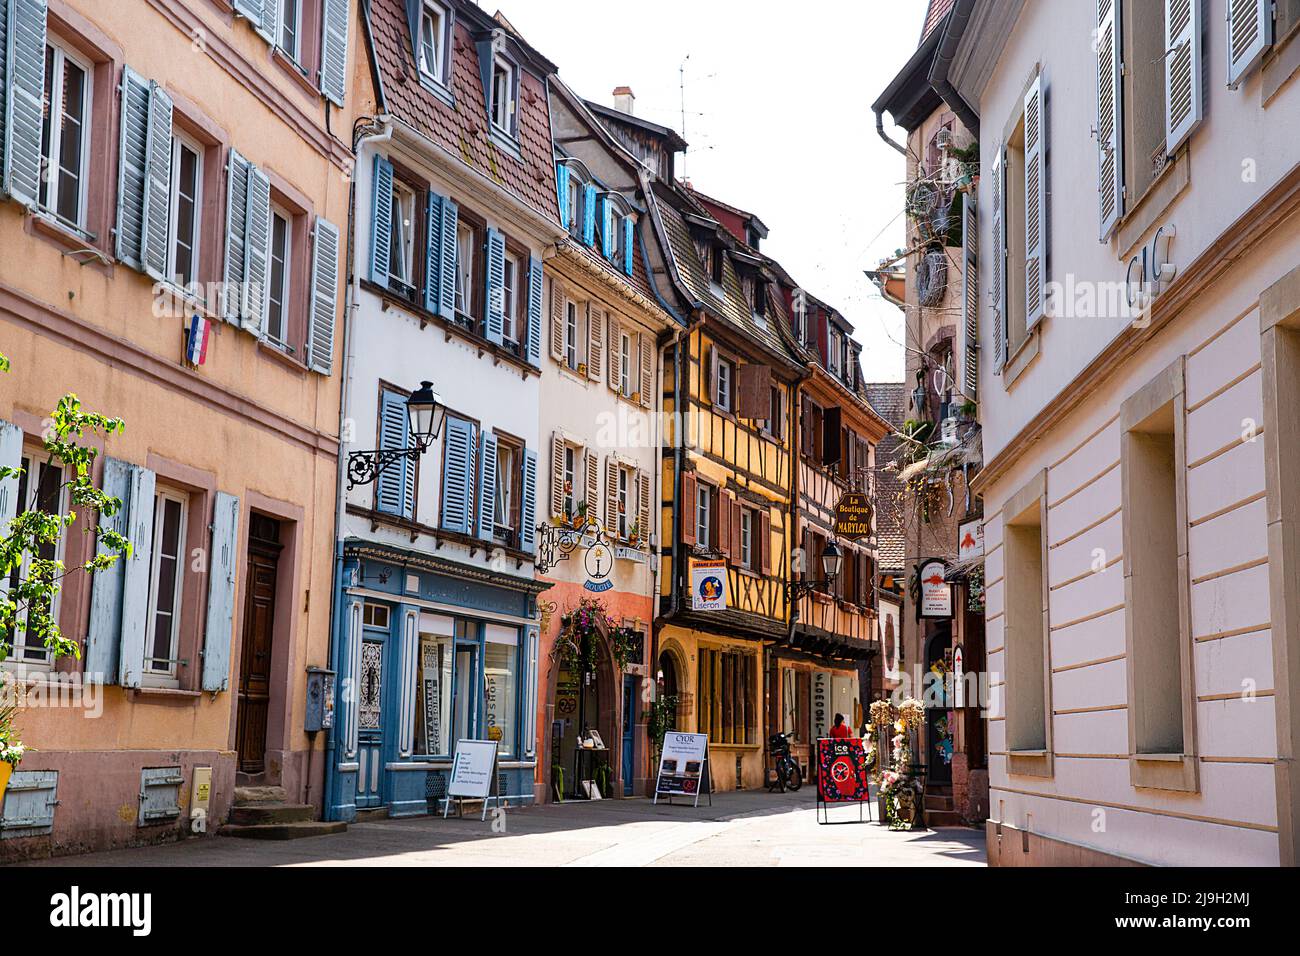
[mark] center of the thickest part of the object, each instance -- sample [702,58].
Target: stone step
[252,814]
[285,831]
[372,813]
[942,818]
[245,795]
[936,801]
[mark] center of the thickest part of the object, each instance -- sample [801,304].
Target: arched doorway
[586,693]
[669,683]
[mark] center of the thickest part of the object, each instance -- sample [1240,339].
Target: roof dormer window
[431,47]
[502,109]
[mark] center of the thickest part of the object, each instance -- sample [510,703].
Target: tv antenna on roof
[681,70]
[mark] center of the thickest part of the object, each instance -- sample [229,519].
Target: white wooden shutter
[591,475]
[158,184]
[1110,116]
[647,370]
[104,633]
[614,340]
[236,223]
[1035,203]
[257,252]
[595,341]
[132,167]
[557,321]
[252,10]
[334,50]
[136,574]
[557,475]
[1183,103]
[324,296]
[11,457]
[968,370]
[24,107]
[218,632]
[611,495]
[643,505]
[1250,32]
[998,266]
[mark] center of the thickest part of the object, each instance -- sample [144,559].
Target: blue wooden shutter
[324,295]
[158,184]
[257,252]
[528,509]
[496,286]
[394,488]
[456,483]
[381,220]
[132,168]
[589,215]
[236,223]
[105,631]
[447,225]
[24,82]
[136,574]
[432,258]
[606,230]
[218,632]
[562,192]
[334,50]
[534,311]
[629,238]
[487,487]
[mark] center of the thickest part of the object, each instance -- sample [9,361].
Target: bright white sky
[778,115]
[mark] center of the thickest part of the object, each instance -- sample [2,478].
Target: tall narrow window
[624,503]
[503,91]
[1156,587]
[625,363]
[278,295]
[501,685]
[165,585]
[746,538]
[507,467]
[187,175]
[65,135]
[577,188]
[722,397]
[1025,631]
[401,247]
[48,496]
[571,334]
[432,42]
[510,300]
[465,248]
[570,477]
[290,28]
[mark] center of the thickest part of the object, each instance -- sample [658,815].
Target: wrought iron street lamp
[831,560]
[424,416]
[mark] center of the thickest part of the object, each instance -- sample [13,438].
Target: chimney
[625,100]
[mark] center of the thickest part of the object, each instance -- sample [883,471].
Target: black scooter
[788,774]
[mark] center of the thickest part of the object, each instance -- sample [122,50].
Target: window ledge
[70,241]
[1025,353]
[295,71]
[1176,772]
[1280,65]
[1030,763]
[167,693]
[1154,203]
[503,139]
[437,89]
[277,354]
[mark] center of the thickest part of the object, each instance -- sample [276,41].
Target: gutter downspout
[880,128]
[350,304]
[953,31]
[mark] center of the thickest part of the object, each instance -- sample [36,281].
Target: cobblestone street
[752,828]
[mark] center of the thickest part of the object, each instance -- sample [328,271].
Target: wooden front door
[258,641]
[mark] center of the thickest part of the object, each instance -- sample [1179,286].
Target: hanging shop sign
[970,540]
[709,585]
[598,562]
[936,592]
[853,516]
[684,767]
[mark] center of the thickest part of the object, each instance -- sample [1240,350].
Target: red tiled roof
[934,16]
[462,129]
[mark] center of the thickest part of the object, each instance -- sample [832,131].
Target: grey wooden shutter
[998,267]
[105,631]
[218,631]
[643,505]
[29,803]
[456,484]
[391,487]
[496,286]
[334,50]
[270,28]
[487,487]
[528,507]
[236,224]
[1250,29]
[447,225]
[11,456]
[1110,116]
[1183,101]
[324,295]
[1035,203]
[251,10]
[158,184]
[610,516]
[24,107]
[132,168]
[257,252]
[969,354]
[615,350]
[557,321]
[534,311]
[136,575]
[591,476]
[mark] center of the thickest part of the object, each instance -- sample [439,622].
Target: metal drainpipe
[880,128]
[349,306]
[958,20]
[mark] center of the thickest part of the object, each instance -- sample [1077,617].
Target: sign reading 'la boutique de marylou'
[853,516]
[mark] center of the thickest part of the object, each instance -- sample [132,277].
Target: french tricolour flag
[196,341]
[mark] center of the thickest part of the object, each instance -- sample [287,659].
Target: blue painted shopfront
[428,652]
